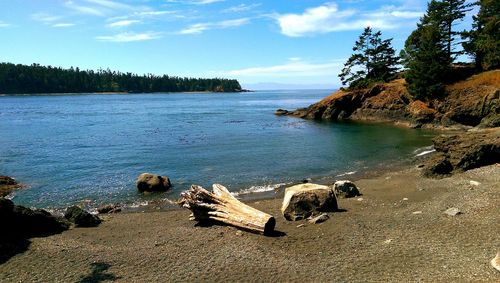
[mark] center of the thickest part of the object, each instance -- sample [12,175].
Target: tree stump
[219,205]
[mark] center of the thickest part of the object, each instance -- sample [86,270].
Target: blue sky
[283,41]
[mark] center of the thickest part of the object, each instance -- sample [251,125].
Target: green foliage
[41,79]
[443,14]
[427,62]
[373,60]
[484,39]
[429,50]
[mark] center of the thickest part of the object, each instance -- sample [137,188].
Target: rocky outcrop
[461,152]
[80,217]
[147,182]
[7,185]
[471,102]
[20,221]
[302,201]
[345,189]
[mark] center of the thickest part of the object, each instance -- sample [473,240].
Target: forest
[24,79]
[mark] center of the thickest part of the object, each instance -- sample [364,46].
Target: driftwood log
[219,205]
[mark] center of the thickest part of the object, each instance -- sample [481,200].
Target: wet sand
[378,238]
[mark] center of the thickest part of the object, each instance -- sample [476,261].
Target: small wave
[347,173]
[424,151]
[258,189]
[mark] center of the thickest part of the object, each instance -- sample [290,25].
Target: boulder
[19,221]
[301,201]
[80,217]
[147,182]
[345,189]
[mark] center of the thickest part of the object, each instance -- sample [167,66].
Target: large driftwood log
[221,206]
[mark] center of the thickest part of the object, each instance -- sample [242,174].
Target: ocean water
[72,148]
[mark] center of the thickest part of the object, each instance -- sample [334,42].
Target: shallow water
[71,148]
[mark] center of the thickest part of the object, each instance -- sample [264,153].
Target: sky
[280,43]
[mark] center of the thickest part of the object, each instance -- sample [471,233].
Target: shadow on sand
[99,273]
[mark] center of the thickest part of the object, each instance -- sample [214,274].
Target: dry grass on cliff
[485,79]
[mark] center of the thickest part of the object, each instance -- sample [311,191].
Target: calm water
[72,148]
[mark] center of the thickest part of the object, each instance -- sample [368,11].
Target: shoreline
[166,202]
[379,237]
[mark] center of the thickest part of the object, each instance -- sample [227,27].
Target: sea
[90,148]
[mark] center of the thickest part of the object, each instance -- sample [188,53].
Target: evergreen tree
[373,60]
[427,62]
[484,39]
[444,14]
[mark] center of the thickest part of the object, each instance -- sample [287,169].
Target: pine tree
[484,39]
[444,14]
[373,60]
[427,62]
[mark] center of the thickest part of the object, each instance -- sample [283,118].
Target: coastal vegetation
[430,52]
[374,61]
[17,78]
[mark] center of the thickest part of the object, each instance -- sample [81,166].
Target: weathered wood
[220,205]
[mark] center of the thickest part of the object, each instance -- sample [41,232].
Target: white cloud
[111,4]
[63,25]
[195,2]
[45,18]
[103,7]
[201,27]
[129,37]
[87,10]
[295,67]
[241,8]
[328,18]
[123,23]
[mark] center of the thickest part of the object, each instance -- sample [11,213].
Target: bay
[69,148]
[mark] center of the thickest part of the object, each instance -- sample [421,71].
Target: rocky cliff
[474,101]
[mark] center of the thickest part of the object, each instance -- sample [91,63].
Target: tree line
[17,78]
[431,49]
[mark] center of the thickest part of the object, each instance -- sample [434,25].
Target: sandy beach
[395,232]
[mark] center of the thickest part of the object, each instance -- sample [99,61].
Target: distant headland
[31,79]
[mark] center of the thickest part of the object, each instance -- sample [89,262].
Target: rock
[438,166]
[147,182]
[301,201]
[471,102]
[301,225]
[80,217]
[281,112]
[319,219]
[421,112]
[495,262]
[345,189]
[474,183]
[388,241]
[461,152]
[453,211]
[7,185]
[109,208]
[19,221]
[6,206]
[417,212]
